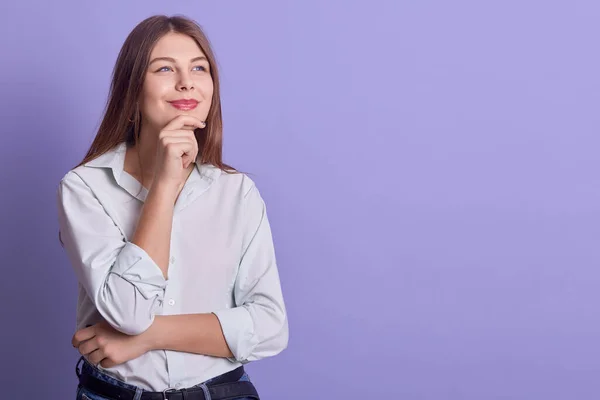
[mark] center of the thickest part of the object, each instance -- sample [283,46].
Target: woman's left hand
[104,345]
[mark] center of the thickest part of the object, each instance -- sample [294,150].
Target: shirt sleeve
[121,279]
[257,327]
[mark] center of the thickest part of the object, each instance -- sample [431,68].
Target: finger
[185,133]
[178,136]
[181,120]
[188,157]
[89,346]
[176,140]
[82,335]
[180,147]
[95,357]
[192,127]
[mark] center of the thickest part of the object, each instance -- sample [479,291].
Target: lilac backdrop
[430,170]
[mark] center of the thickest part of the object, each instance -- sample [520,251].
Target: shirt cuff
[238,329]
[135,266]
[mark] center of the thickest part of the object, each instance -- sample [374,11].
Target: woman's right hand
[177,148]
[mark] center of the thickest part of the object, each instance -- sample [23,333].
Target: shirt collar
[199,180]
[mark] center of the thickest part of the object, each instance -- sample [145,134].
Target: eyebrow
[169,59]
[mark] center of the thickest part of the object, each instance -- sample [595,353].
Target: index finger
[182,120]
[82,335]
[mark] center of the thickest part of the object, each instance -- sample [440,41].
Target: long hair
[122,119]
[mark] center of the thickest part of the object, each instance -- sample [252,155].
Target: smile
[184,105]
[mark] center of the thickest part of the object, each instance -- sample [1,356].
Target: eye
[163,69]
[202,68]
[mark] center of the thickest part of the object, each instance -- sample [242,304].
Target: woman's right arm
[154,227]
[124,279]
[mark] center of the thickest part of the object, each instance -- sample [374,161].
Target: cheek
[206,88]
[155,93]
[153,98]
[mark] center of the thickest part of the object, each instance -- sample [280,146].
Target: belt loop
[184,393]
[206,391]
[167,390]
[77,372]
[138,393]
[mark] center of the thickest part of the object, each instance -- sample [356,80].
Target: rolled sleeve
[121,279]
[257,327]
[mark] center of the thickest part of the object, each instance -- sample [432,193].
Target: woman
[172,248]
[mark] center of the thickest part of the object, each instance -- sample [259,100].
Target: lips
[184,104]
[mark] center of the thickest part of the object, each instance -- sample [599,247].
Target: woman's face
[178,82]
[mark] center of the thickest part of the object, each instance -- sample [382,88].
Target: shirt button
[172,260]
[171,302]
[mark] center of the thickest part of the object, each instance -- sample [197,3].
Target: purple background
[430,170]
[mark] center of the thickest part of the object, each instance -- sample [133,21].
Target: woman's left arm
[257,327]
[190,333]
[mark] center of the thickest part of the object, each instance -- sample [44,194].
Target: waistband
[223,387]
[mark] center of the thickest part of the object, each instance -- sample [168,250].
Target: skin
[167,151]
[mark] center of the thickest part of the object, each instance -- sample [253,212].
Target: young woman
[172,248]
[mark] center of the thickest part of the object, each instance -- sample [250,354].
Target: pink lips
[184,105]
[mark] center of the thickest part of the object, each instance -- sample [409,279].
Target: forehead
[176,45]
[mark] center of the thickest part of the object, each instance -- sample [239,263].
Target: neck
[141,158]
[146,151]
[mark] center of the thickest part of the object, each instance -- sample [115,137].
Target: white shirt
[222,261]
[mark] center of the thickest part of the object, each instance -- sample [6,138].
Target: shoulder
[236,182]
[98,173]
[71,179]
[238,189]
[83,175]
[89,183]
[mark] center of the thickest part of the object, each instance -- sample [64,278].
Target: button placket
[170,296]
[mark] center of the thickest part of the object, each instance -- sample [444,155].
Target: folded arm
[122,280]
[257,327]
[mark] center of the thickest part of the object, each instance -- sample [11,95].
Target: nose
[185,82]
